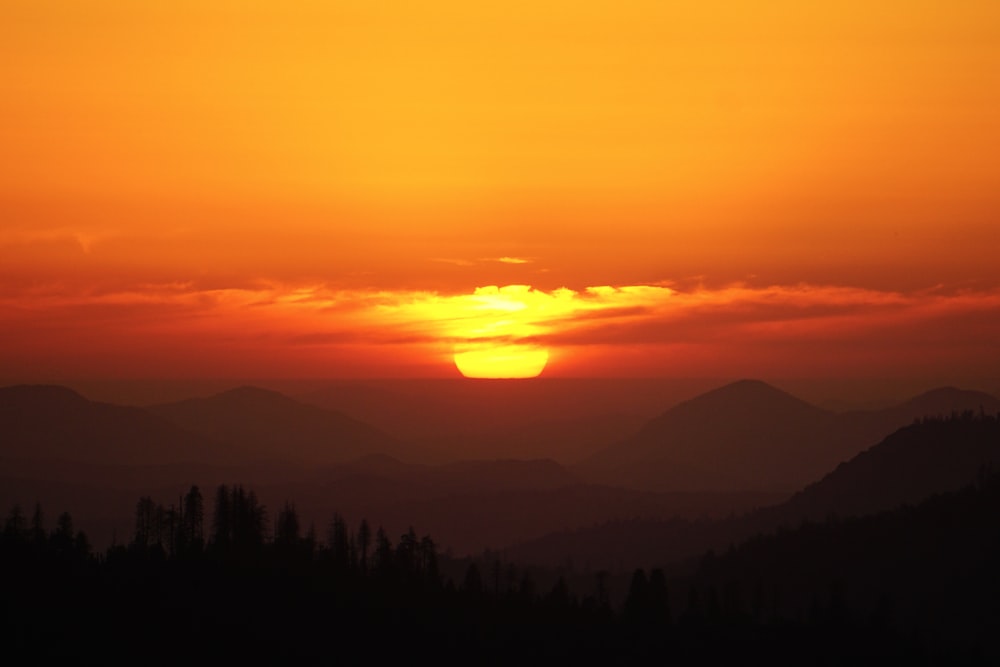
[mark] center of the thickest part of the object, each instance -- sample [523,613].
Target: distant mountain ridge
[936,455]
[54,422]
[750,435]
[933,456]
[268,424]
[292,450]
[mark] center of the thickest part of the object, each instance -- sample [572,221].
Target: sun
[502,361]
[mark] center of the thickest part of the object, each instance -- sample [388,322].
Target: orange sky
[244,189]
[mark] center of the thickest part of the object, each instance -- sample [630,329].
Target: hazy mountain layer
[266,424]
[55,423]
[749,435]
[933,456]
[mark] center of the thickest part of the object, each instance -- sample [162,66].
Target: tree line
[248,588]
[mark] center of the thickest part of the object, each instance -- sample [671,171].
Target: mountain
[265,424]
[750,435]
[933,456]
[564,419]
[926,570]
[47,422]
[745,435]
[940,402]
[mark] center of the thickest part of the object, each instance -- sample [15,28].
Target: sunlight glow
[502,361]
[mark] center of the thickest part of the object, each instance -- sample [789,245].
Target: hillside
[269,425]
[749,435]
[932,456]
[745,435]
[47,422]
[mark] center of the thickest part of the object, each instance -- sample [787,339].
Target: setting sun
[344,189]
[502,361]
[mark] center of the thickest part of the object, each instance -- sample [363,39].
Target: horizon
[836,394]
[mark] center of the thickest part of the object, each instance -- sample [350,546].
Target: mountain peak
[269,424]
[953,398]
[746,395]
[743,435]
[248,397]
[749,385]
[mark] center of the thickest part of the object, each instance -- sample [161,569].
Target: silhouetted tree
[247,519]
[472,583]
[193,524]
[603,600]
[526,590]
[364,541]
[222,513]
[170,527]
[338,542]
[559,596]
[286,532]
[62,536]
[38,525]
[81,544]
[16,526]
[309,541]
[637,607]
[510,579]
[383,552]
[428,559]
[406,551]
[659,604]
[146,531]
[238,519]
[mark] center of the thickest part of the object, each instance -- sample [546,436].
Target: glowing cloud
[314,330]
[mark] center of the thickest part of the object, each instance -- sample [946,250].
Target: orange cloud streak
[316,331]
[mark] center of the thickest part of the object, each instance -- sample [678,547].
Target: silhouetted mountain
[745,435]
[558,418]
[267,424]
[471,505]
[468,504]
[933,456]
[55,423]
[915,462]
[941,402]
[944,401]
[927,569]
[749,435]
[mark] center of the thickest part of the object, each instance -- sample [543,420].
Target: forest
[917,583]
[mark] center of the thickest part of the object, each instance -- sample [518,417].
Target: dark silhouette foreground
[918,584]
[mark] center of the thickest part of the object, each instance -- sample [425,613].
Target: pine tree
[286,532]
[364,542]
[194,519]
[338,542]
[222,524]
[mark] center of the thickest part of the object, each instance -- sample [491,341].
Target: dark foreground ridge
[916,584]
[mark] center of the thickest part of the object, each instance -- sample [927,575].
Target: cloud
[483,260]
[784,324]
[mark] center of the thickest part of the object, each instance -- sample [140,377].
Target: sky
[354,189]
